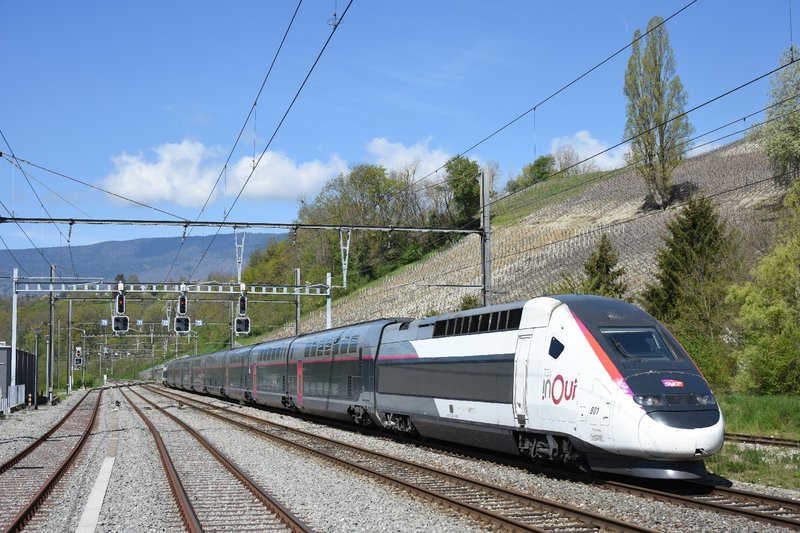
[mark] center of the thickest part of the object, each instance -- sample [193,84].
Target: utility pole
[50,343]
[297,302]
[37,331]
[70,348]
[12,384]
[328,302]
[486,262]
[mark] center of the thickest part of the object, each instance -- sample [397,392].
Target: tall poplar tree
[781,133]
[655,99]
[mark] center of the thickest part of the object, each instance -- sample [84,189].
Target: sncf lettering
[558,389]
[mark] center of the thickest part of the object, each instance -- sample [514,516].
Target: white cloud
[395,156]
[184,173]
[278,177]
[181,173]
[586,146]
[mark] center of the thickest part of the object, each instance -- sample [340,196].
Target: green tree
[695,268]
[781,133]
[601,274]
[696,242]
[463,180]
[542,168]
[656,98]
[769,311]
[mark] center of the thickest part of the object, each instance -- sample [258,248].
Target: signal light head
[242,325]
[182,304]
[120,324]
[120,304]
[242,305]
[182,325]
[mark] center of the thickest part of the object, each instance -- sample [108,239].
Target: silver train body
[579,380]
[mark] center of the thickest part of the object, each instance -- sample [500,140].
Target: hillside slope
[556,238]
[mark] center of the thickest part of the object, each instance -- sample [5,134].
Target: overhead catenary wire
[38,198]
[38,250]
[558,91]
[251,113]
[606,174]
[16,261]
[91,186]
[276,130]
[695,108]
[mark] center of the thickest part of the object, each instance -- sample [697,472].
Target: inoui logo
[558,389]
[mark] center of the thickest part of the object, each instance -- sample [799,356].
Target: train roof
[602,311]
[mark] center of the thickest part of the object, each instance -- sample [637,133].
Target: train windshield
[638,343]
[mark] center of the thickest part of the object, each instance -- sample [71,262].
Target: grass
[511,210]
[772,416]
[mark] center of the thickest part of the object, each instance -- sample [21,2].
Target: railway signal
[242,305]
[182,304]
[182,325]
[120,304]
[242,325]
[120,324]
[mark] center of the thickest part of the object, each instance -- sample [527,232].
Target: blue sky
[146,98]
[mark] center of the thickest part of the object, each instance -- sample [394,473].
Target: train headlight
[705,399]
[649,401]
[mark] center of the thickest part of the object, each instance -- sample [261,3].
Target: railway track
[498,506]
[771,510]
[757,439]
[29,477]
[236,503]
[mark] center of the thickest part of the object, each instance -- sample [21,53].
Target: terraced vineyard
[557,234]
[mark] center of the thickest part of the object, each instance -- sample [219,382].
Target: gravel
[328,498]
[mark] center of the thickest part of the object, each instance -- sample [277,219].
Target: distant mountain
[148,259]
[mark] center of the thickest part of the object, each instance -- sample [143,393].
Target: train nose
[680,435]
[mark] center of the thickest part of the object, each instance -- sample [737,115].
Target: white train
[579,380]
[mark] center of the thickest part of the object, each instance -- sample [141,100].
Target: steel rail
[27,512]
[759,439]
[32,446]
[185,509]
[284,515]
[506,522]
[776,515]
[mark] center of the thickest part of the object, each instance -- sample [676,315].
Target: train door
[521,379]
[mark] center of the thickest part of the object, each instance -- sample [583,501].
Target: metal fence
[12,396]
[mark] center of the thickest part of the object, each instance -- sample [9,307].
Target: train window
[514,318]
[459,325]
[335,347]
[484,323]
[556,347]
[502,318]
[493,321]
[474,323]
[344,345]
[328,347]
[451,324]
[353,343]
[440,328]
[307,350]
[638,343]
